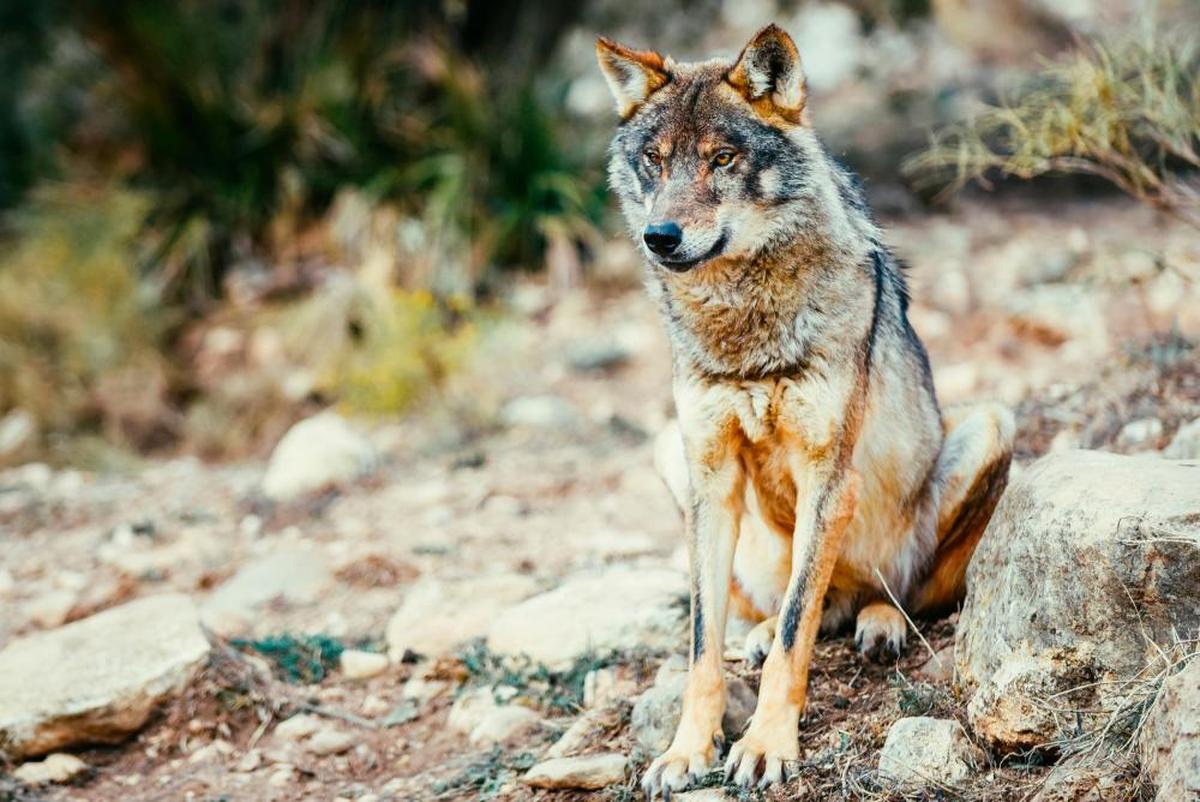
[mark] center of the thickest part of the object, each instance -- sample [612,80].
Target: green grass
[488,776]
[556,691]
[306,659]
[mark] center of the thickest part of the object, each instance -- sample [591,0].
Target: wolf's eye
[652,158]
[723,158]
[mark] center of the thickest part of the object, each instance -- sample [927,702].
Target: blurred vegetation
[155,157]
[1128,113]
[81,334]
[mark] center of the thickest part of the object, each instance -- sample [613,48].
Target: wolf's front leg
[712,527]
[771,741]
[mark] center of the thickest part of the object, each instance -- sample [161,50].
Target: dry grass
[1128,113]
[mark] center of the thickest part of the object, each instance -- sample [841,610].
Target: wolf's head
[714,159]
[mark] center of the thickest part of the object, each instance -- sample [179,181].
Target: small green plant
[487,776]
[1127,112]
[302,659]
[560,691]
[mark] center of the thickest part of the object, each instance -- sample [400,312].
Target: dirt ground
[1083,317]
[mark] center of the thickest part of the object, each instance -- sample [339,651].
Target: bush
[1128,113]
[81,333]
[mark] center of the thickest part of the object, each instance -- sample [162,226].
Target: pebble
[357,664]
[330,742]
[55,768]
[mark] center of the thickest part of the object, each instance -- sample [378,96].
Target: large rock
[438,614]
[318,452]
[1185,444]
[1170,738]
[929,751]
[97,680]
[613,610]
[1090,563]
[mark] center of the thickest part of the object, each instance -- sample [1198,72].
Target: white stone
[929,751]
[1186,442]
[298,727]
[539,412]
[56,768]
[589,773]
[97,680]
[52,608]
[328,741]
[613,610]
[357,664]
[1141,434]
[1050,609]
[316,453]
[504,724]
[438,614]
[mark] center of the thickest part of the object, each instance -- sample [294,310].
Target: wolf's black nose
[663,238]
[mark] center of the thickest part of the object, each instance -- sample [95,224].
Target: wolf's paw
[677,768]
[881,632]
[758,642]
[774,755]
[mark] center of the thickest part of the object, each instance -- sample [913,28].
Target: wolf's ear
[768,74]
[632,75]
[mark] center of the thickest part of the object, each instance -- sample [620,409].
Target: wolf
[822,483]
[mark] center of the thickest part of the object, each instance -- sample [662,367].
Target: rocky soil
[487,599]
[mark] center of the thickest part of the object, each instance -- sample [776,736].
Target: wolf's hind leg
[759,640]
[971,473]
[880,632]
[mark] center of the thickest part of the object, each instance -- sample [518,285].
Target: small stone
[1186,442]
[925,751]
[298,727]
[505,724]
[250,761]
[592,356]
[656,712]
[598,686]
[329,741]
[939,667]
[283,775]
[1140,434]
[357,664]
[470,709]
[576,737]
[318,452]
[422,690]
[56,768]
[539,412]
[51,609]
[589,773]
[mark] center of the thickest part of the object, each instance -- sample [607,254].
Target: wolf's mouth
[684,265]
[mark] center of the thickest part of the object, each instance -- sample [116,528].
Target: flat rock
[614,610]
[588,773]
[318,452]
[439,614]
[293,576]
[97,680]
[56,768]
[929,751]
[1169,742]
[1089,566]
